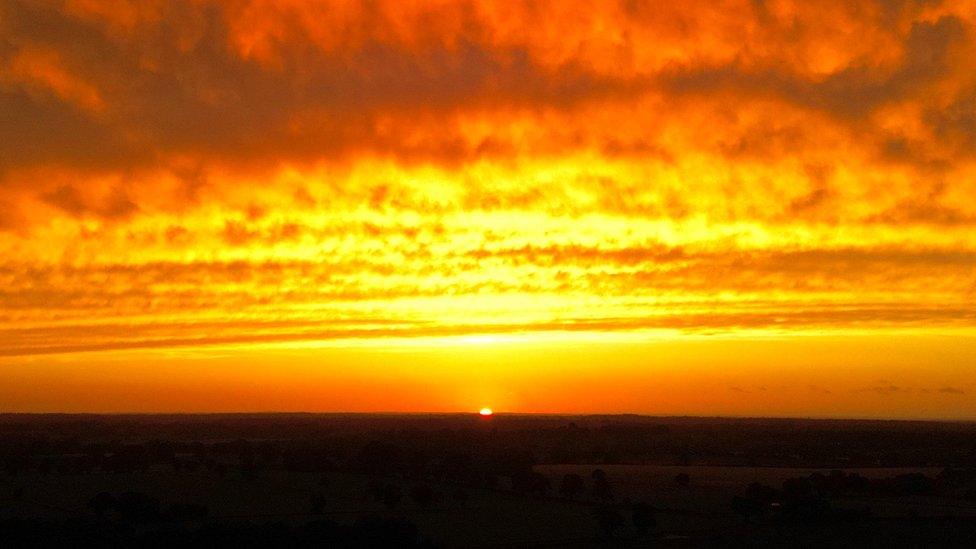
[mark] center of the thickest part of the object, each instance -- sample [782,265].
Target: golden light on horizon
[485,412]
[268,182]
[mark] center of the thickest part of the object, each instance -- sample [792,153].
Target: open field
[460,481]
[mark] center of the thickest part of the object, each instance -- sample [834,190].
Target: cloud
[884,388]
[699,167]
[852,92]
[262,81]
[69,199]
[178,85]
[42,71]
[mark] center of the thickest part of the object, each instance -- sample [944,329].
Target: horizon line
[496,414]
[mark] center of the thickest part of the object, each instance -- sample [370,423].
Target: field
[460,482]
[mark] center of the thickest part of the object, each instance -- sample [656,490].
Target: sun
[485,412]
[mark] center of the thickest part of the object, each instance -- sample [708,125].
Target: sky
[704,208]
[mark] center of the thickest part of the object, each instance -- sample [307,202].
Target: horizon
[502,415]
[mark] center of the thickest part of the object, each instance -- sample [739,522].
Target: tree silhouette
[682,480]
[601,486]
[531,482]
[571,485]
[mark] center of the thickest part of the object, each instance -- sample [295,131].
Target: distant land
[464,480]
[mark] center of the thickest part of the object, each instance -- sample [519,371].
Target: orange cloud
[43,71]
[267,171]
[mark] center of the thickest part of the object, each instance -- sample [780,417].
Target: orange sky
[749,208]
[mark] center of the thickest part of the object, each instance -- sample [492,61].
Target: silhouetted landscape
[457,480]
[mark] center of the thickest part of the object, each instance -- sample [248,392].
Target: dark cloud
[67,198]
[849,93]
[934,53]
[117,205]
[237,233]
[818,195]
[176,84]
[956,122]
[180,95]
[928,206]
[885,388]
[167,93]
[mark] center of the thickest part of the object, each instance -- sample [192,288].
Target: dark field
[465,481]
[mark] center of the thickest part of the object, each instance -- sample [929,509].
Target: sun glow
[486,412]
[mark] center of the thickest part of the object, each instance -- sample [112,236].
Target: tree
[601,486]
[530,482]
[571,485]
[682,480]
[797,488]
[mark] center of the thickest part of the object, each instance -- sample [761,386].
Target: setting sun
[486,412]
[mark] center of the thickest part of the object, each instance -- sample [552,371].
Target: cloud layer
[211,172]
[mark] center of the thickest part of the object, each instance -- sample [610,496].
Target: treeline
[813,495]
[309,440]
